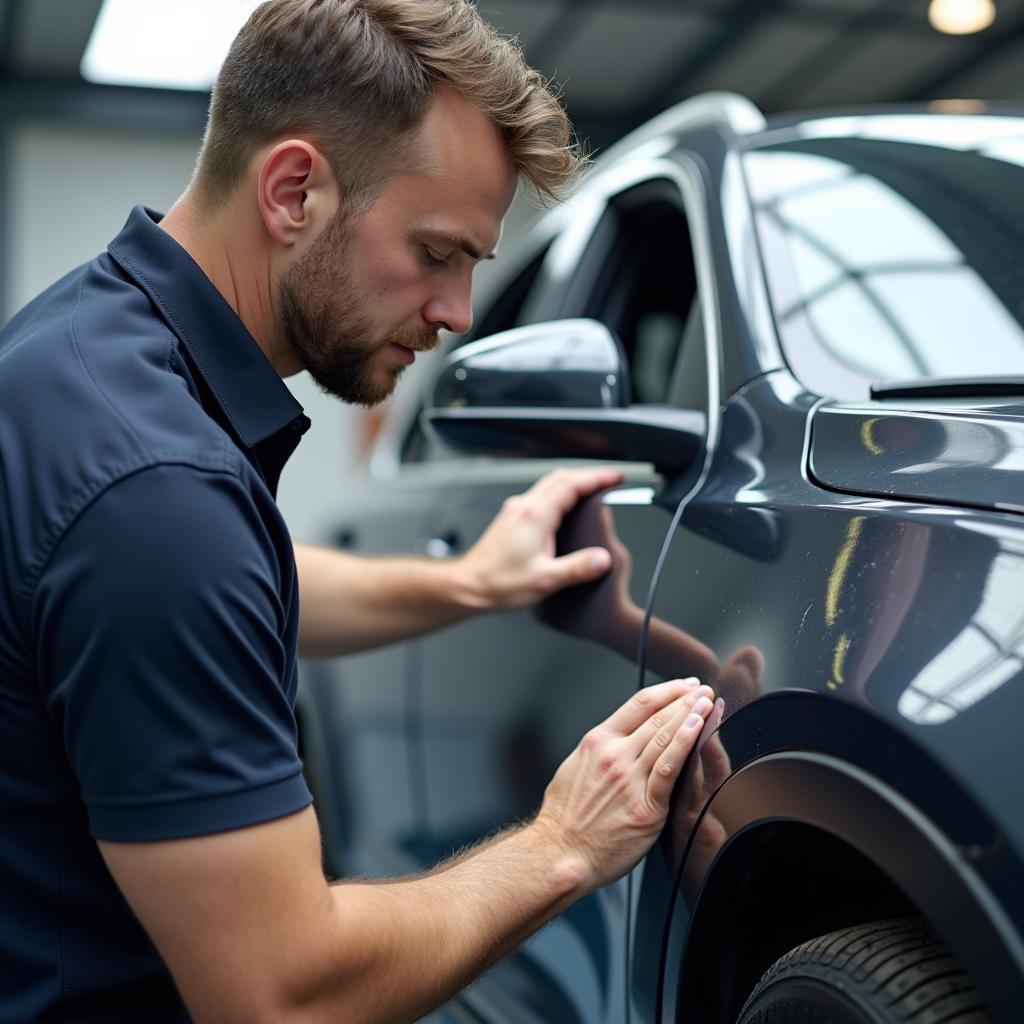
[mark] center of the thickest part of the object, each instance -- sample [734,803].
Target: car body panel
[911,614]
[956,455]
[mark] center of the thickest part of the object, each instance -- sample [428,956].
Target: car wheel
[886,972]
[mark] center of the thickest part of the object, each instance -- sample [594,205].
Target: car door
[504,698]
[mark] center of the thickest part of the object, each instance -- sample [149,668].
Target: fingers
[670,762]
[645,703]
[581,566]
[662,720]
[661,739]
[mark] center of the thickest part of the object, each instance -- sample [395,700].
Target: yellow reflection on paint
[867,440]
[842,646]
[841,568]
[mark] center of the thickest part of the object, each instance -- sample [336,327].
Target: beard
[324,321]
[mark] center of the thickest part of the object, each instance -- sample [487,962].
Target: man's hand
[514,564]
[609,799]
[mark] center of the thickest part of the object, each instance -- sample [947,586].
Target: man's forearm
[349,603]
[406,947]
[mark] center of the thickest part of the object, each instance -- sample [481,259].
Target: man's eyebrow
[463,243]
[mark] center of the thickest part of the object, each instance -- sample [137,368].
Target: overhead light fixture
[958,106]
[961,17]
[169,44]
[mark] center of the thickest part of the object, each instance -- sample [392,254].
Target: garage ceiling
[621,61]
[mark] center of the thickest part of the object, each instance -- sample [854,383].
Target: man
[159,858]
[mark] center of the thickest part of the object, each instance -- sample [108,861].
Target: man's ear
[296,190]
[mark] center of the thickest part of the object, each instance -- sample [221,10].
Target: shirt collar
[248,390]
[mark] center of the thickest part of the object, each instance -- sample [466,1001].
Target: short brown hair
[356,76]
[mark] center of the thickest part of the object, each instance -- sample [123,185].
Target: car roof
[939,110]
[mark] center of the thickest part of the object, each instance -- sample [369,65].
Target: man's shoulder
[95,391]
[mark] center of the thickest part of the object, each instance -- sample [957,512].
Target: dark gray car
[803,342]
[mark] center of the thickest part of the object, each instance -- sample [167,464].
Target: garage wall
[69,191]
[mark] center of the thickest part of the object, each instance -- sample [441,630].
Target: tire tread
[896,969]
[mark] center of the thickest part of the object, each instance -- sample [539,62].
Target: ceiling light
[171,44]
[961,17]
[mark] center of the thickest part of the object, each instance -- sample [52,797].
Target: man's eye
[432,259]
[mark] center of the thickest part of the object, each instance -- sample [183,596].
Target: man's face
[376,286]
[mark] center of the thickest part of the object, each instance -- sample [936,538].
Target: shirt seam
[228,463]
[95,383]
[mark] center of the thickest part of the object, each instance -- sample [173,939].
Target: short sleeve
[162,651]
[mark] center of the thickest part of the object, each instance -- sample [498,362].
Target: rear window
[894,247]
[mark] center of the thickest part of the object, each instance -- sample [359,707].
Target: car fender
[803,759]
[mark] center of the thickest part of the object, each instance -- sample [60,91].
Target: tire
[886,972]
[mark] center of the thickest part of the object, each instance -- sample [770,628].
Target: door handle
[443,546]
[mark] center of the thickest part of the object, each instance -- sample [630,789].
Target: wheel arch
[819,821]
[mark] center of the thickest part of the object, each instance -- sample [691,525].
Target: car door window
[644,289]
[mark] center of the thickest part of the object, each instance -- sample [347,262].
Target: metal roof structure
[618,62]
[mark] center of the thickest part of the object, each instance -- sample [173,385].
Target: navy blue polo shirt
[148,611]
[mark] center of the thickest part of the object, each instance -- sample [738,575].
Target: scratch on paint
[803,620]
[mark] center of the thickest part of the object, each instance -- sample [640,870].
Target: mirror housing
[557,389]
[569,364]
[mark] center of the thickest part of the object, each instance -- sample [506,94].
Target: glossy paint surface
[956,455]
[905,621]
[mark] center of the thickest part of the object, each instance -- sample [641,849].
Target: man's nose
[450,308]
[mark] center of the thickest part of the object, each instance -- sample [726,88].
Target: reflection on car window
[900,259]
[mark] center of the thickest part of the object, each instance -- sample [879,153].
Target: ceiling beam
[737,23]
[988,45]
[808,12]
[544,53]
[858,29]
[8,35]
[24,97]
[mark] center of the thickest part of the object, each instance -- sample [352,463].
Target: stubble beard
[325,323]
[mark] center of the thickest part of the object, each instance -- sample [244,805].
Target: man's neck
[232,254]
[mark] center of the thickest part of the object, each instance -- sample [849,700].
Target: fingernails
[600,560]
[703,706]
[691,684]
[693,721]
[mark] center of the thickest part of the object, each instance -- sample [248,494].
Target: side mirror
[570,364]
[556,389]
